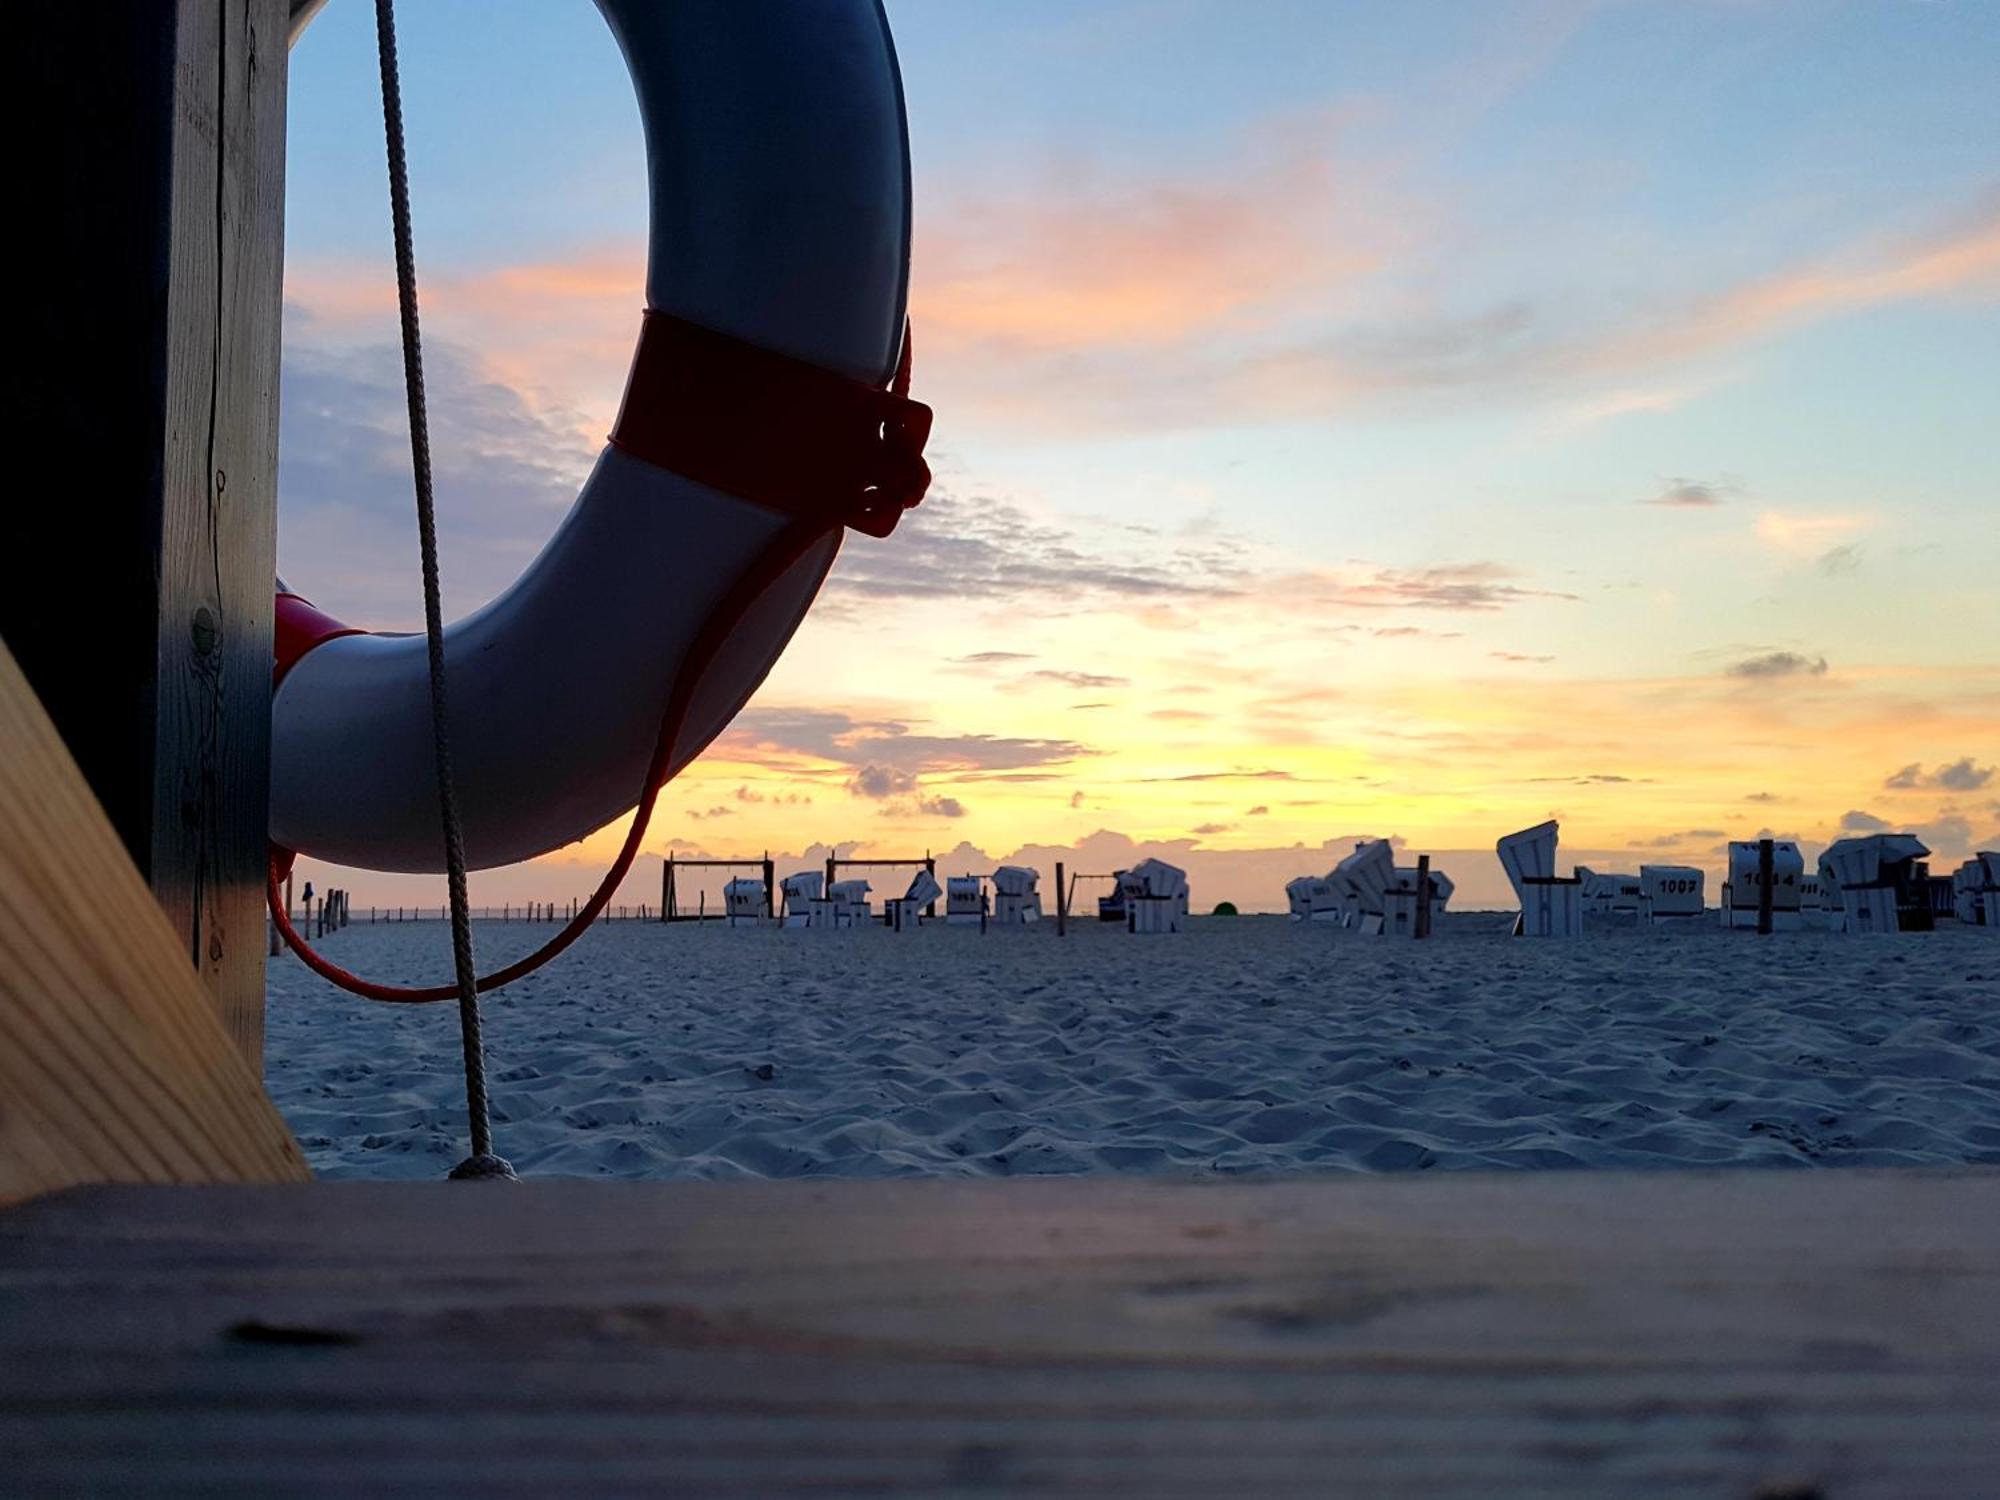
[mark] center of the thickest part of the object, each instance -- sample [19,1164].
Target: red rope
[868,511]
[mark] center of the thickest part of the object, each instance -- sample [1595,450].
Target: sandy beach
[1241,1046]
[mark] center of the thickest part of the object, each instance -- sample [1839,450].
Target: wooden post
[669,897]
[770,886]
[1423,917]
[930,869]
[141,397]
[1766,871]
[1062,903]
[831,864]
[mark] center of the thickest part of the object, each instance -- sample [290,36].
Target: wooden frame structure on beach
[765,867]
[835,864]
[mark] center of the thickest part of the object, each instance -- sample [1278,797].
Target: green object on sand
[1224,909]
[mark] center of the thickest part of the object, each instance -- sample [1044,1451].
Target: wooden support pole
[1422,928]
[770,886]
[141,397]
[1062,903]
[1766,871]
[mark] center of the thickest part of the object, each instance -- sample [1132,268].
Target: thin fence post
[1423,926]
[1062,903]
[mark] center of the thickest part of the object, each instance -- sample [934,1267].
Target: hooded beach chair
[1883,883]
[801,891]
[1014,899]
[1400,902]
[964,901]
[850,900]
[1745,880]
[745,902]
[903,913]
[1671,892]
[1368,873]
[1975,889]
[1550,905]
[1311,898]
[1156,897]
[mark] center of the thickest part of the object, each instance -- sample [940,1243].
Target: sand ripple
[1238,1047]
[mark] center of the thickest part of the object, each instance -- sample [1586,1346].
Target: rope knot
[483,1167]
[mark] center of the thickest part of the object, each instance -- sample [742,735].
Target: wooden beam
[113,1064]
[142,404]
[1442,1335]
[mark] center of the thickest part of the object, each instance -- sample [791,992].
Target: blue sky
[1410,401]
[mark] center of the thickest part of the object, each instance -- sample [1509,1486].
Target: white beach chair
[1015,901]
[1813,903]
[1596,892]
[850,897]
[1311,898]
[1882,883]
[1550,905]
[1156,897]
[1745,879]
[1299,896]
[905,913]
[1671,893]
[964,901]
[1369,873]
[745,902]
[801,891]
[1399,909]
[1975,889]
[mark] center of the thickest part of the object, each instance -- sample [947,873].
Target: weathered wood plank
[219,536]
[1564,1334]
[142,408]
[113,1064]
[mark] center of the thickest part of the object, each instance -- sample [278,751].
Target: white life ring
[780,219]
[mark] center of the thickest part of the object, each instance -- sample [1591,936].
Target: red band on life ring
[298,628]
[774,430]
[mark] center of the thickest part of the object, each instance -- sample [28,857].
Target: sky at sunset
[1353,420]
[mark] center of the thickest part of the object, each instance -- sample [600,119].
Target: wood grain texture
[218,542]
[141,411]
[113,1064]
[1713,1335]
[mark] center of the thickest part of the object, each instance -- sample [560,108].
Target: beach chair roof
[1154,877]
[1529,854]
[924,888]
[1015,880]
[1857,861]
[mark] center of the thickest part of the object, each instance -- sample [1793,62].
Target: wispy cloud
[1778,664]
[1961,775]
[1692,494]
[888,748]
[1806,533]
